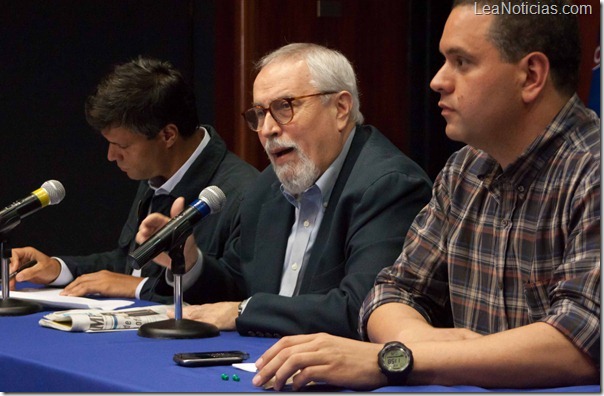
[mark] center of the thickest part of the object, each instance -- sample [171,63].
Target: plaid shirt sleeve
[574,294]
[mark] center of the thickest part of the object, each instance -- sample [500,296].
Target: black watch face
[395,360]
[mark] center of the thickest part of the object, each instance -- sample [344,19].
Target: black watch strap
[396,362]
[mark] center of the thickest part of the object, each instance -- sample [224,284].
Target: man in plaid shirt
[498,284]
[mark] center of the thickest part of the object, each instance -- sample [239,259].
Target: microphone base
[182,328]
[14,307]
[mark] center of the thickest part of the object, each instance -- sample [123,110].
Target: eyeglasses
[281,110]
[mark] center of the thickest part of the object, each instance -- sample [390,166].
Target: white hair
[329,70]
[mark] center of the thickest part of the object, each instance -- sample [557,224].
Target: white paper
[250,367]
[50,297]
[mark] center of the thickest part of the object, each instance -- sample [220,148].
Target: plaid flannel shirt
[498,249]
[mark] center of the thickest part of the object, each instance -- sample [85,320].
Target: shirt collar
[169,185]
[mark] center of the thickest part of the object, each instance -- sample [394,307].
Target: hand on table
[321,358]
[105,283]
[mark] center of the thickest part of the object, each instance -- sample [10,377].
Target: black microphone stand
[178,327]
[11,306]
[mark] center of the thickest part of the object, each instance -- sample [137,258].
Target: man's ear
[169,134]
[344,109]
[535,67]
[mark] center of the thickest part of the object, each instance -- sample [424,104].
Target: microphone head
[213,197]
[55,191]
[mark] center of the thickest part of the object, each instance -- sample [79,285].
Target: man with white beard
[320,222]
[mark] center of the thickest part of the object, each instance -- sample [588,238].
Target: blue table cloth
[38,359]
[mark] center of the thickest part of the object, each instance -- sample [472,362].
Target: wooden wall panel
[372,34]
[393,45]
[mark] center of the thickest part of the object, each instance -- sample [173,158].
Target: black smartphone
[199,359]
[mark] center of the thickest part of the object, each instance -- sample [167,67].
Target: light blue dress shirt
[309,209]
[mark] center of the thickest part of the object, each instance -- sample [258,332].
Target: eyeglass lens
[280,109]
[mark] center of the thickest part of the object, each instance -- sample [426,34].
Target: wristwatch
[395,361]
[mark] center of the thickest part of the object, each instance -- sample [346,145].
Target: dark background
[55,52]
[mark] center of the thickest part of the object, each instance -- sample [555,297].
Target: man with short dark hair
[146,111]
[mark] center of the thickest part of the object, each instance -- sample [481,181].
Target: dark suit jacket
[374,201]
[215,166]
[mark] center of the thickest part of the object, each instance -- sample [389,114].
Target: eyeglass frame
[289,102]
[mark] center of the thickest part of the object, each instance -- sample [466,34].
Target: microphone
[51,193]
[211,200]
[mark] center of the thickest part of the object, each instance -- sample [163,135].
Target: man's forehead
[115,133]
[281,79]
[464,30]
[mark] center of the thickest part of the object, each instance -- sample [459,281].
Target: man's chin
[134,176]
[454,133]
[293,183]
[285,176]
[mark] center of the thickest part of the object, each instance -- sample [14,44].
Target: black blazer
[215,166]
[374,201]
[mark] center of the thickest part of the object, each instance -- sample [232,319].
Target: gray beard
[297,178]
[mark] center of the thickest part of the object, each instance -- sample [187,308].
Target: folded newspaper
[96,320]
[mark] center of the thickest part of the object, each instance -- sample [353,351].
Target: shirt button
[306,223]
[520,188]
[295,266]
[500,285]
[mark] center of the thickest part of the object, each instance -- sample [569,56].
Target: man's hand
[221,315]
[154,222]
[44,272]
[106,283]
[320,358]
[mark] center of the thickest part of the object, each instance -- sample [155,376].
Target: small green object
[224,377]
[236,378]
